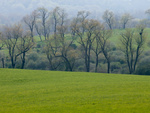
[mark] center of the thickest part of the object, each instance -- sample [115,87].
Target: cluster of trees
[76,44]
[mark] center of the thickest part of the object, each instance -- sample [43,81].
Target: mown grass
[28,91]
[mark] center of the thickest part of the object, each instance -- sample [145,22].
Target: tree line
[68,44]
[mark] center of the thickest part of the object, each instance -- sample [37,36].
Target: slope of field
[27,91]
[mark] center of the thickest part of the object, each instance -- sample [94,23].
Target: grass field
[28,91]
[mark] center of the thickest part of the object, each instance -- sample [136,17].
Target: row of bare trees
[90,35]
[45,22]
[123,21]
[110,19]
[66,41]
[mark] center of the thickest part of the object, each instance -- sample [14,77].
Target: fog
[14,10]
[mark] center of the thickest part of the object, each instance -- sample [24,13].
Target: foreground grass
[27,91]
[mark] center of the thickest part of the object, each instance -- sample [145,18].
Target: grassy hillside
[27,91]
[116,35]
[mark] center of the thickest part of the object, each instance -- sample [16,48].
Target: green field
[28,91]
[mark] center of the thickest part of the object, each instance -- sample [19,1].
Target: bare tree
[125,19]
[39,29]
[30,21]
[58,17]
[103,41]
[81,18]
[132,45]
[85,31]
[66,49]
[24,46]
[96,46]
[109,19]
[78,28]
[44,15]
[10,38]
[82,15]
[97,50]
[59,46]
[54,62]
[55,19]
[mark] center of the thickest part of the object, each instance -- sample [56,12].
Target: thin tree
[39,29]
[10,38]
[85,32]
[30,21]
[97,50]
[125,19]
[60,46]
[132,46]
[24,46]
[44,15]
[108,18]
[103,41]
[96,47]
[55,19]
[54,62]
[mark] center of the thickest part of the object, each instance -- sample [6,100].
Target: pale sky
[97,7]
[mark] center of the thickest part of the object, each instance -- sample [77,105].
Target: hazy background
[13,10]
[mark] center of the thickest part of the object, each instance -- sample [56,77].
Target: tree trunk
[3,64]
[23,60]
[68,65]
[32,35]
[87,63]
[110,26]
[108,66]
[40,37]
[86,60]
[12,62]
[96,66]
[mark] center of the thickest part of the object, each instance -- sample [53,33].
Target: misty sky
[23,7]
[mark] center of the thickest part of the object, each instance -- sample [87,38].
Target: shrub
[118,56]
[143,70]
[33,56]
[143,67]
[31,65]
[41,64]
[144,60]
[102,68]
[115,66]
[79,65]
